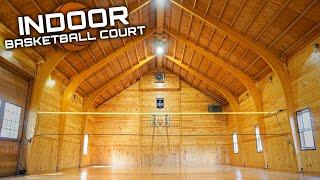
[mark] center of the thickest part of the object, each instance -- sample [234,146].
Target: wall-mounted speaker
[159,77]
[214,107]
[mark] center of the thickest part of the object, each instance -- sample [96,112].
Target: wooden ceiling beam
[12,7]
[254,17]
[105,55]
[138,6]
[179,21]
[96,60]
[9,34]
[230,26]
[222,10]
[251,64]
[207,46]
[292,24]
[77,80]
[211,95]
[272,20]
[145,49]
[272,60]
[245,79]
[300,41]
[230,97]
[208,7]
[243,3]
[169,16]
[134,81]
[71,67]
[18,62]
[227,59]
[44,72]
[37,6]
[220,44]
[118,60]
[92,97]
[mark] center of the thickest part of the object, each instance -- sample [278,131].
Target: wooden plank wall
[280,153]
[233,124]
[304,71]
[43,155]
[86,159]
[178,151]
[14,90]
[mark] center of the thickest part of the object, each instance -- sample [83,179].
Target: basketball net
[159,122]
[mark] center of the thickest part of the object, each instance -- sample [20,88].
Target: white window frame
[2,115]
[302,131]
[85,144]
[259,146]
[235,143]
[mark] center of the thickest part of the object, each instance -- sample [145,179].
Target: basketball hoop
[160,120]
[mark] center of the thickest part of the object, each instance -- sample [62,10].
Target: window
[305,130]
[235,142]
[10,116]
[85,144]
[258,139]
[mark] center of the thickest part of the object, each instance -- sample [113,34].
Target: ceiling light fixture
[315,47]
[159,50]
[160,46]
[50,82]
[6,54]
[316,50]
[161,3]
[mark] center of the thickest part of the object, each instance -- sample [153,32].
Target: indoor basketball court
[160,89]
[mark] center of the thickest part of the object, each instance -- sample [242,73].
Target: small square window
[85,144]
[305,130]
[11,120]
[258,139]
[235,142]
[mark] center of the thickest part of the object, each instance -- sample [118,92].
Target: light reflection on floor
[216,172]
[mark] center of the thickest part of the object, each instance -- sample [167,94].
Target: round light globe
[159,50]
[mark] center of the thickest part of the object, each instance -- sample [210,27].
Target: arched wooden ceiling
[282,27]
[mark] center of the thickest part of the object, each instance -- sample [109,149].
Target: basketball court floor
[160,89]
[216,172]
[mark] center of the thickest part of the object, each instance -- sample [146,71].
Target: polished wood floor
[217,172]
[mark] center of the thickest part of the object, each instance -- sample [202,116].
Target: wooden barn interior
[257,60]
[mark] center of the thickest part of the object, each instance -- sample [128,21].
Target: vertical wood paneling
[276,146]
[43,155]
[14,90]
[304,70]
[185,151]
